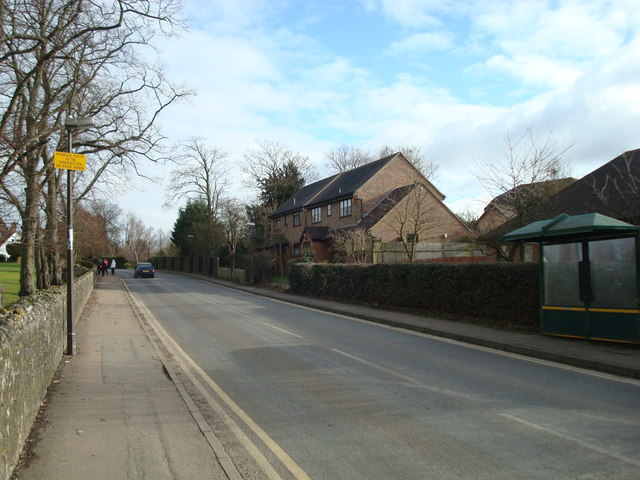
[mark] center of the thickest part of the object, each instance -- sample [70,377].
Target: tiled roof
[317,233]
[380,209]
[612,190]
[341,185]
[533,190]
[302,196]
[348,182]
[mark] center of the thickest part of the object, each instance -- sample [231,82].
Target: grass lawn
[10,280]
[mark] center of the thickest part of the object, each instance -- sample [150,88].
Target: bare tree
[351,245]
[413,213]
[619,190]
[138,238]
[202,174]
[276,172]
[522,177]
[76,58]
[234,221]
[346,157]
[428,168]
[110,214]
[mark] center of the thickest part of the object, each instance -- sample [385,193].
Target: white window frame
[346,208]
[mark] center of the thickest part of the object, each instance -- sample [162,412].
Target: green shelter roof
[564,227]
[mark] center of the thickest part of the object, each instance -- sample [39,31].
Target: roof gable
[530,190]
[341,185]
[303,196]
[612,190]
[348,182]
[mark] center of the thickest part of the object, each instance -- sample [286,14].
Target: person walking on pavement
[113,266]
[100,267]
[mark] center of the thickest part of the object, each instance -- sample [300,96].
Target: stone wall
[32,342]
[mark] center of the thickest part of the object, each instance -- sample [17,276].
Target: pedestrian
[101,268]
[105,267]
[113,266]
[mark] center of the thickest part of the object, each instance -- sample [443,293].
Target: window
[285,220]
[316,215]
[412,238]
[296,249]
[345,208]
[296,219]
[277,222]
[329,210]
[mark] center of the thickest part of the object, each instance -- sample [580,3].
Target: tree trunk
[52,232]
[29,228]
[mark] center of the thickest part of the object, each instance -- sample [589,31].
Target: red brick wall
[436,221]
[396,173]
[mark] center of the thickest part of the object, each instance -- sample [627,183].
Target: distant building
[371,198]
[508,205]
[7,237]
[612,190]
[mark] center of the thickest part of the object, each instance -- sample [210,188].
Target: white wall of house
[12,239]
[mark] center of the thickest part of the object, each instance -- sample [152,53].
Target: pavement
[114,411]
[117,410]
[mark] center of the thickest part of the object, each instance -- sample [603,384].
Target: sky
[453,77]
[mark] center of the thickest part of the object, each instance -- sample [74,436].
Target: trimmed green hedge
[501,294]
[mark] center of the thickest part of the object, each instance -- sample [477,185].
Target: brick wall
[396,173]
[32,341]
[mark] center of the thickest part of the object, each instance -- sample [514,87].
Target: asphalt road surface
[298,393]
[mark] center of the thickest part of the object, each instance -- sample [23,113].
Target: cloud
[572,70]
[414,13]
[534,70]
[420,43]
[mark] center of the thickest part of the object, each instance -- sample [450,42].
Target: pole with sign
[70,161]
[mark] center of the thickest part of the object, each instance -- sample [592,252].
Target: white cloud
[421,42]
[534,70]
[572,70]
[415,13]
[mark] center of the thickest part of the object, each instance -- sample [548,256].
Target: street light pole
[70,125]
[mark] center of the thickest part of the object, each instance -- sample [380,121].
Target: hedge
[500,294]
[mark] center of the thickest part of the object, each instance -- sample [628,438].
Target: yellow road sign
[70,161]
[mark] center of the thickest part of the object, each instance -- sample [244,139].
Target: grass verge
[10,280]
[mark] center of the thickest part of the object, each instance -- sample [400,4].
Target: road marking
[379,367]
[410,380]
[571,439]
[282,330]
[181,356]
[539,361]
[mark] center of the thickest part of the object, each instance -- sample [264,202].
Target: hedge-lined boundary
[501,294]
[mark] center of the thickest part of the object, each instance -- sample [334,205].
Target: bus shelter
[589,282]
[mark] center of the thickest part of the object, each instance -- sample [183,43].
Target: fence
[428,252]
[209,266]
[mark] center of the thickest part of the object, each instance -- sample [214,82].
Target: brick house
[372,198]
[612,190]
[502,208]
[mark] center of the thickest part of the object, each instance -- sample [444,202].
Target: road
[298,393]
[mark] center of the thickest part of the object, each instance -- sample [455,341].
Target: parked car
[144,270]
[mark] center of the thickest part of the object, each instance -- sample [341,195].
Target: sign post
[71,161]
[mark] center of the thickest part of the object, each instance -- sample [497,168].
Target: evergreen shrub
[501,294]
